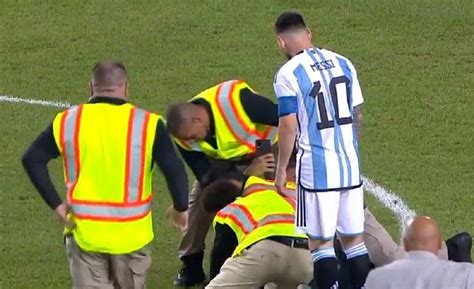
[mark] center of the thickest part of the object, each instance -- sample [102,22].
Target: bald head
[187,121]
[423,235]
[109,78]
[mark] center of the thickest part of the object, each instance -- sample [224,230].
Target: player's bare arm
[358,121]
[286,140]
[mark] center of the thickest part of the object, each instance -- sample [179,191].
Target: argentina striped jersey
[322,88]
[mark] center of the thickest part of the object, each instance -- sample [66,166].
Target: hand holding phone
[264,163]
[263,146]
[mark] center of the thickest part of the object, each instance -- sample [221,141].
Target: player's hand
[280,180]
[261,165]
[177,219]
[62,212]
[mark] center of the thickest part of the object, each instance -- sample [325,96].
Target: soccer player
[319,102]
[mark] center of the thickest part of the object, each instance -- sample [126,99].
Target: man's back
[327,90]
[107,146]
[107,154]
[318,94]
[120,136]
[422,270]
[261,213]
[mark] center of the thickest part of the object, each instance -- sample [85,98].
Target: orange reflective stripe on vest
[260,213]
[226,90]
[246,222]
[269,133]
[136,148]
[227,107]
[240,215]
[69,135]
[277,219]
[132,207]
[287,192]
[288,195]
[105,211]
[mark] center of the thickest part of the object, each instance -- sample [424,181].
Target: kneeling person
[255,226]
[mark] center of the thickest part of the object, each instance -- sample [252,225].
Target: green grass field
[415,64]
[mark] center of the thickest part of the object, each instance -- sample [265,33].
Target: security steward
[256,241]
[109,148]
[220,124]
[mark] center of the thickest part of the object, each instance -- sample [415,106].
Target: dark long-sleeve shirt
[44,149]
[225,242]
[259,109]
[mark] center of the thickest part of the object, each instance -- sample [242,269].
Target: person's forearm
[177,182]
[35,161]
[175,175]
[172,167]
[225,242]
[286,142]
[216,263]
[37,170]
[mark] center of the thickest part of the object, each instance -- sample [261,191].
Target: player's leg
[317,217]
[350,228]
[191,249]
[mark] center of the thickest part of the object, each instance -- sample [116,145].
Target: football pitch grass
[414,60]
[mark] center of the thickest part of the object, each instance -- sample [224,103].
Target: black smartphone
[263,146]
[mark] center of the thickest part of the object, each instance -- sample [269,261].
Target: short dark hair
[289,21]
[175,117]
[108,74]
[219,194]
[222,170]
[219,186]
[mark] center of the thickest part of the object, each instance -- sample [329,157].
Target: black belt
[291,242]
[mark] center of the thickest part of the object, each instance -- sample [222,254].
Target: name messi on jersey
[323,65]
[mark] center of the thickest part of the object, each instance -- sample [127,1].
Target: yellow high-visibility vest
[235,132]
[261,213]
[107,156]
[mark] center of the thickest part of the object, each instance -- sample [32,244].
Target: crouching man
[255,242]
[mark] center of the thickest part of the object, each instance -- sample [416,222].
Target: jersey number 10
[342,112]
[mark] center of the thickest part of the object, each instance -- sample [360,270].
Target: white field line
[389,199]
[15,99]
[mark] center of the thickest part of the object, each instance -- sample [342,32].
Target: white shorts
[321,214]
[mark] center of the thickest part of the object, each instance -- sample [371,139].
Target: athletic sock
[359,265]
[326,270]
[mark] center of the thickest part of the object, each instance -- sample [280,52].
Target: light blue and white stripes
[323,253]
[356,251]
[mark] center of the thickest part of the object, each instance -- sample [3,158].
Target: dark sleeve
[259,108]
[225,243]
[197,161]
[35,161]
[172,167]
